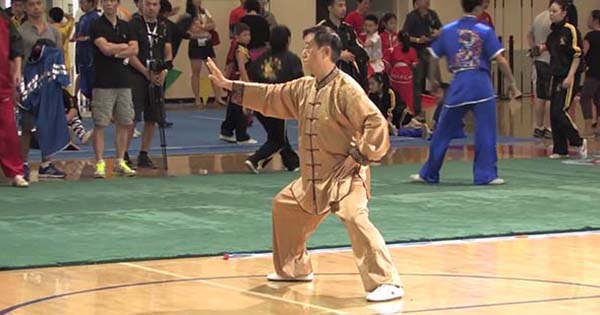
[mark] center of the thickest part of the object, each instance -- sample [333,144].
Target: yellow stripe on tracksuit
[569,94]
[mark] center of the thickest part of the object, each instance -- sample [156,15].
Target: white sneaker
[230,139]
[583,150]
[556,156]
[497,181]
[275,277]
[385,292]
[136,133]
[87,136]
[416,178]
[20,182]
[249,141]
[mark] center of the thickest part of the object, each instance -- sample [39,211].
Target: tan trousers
[292,227]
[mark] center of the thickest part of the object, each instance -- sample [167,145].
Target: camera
[157,66]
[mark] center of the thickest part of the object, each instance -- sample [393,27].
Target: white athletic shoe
[275,277]
[385,292]
[229,139]
[556,156]
[249,141]
[497,181]
[583,150]
[416,178]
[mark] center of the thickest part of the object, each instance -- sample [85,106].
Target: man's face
[34,8]
[422,4]
[18,8]
[338,9]
[312,55]
[244,37]
[84,5]
[370,27]
[150,8]
[110,6]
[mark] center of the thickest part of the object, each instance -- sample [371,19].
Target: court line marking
[121,286]
[231,288]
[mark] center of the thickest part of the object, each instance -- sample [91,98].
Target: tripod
[157,97]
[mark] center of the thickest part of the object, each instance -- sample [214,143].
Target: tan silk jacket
[334,116]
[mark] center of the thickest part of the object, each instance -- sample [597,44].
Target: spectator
[373,45]
[278,65]
[266,13]
[197,25]
[235,16]
[139,4]
[539,31]
[400,120]
[259,27]
[11,51]
[65,27]
[388,30]
[402,61]
[167,10]
[154,42]
[591,87]
[485,17]
[356,18]
[423,25]
[354,59]
[238,60]
[18,12]
[32,30]
[114,43]
[84,49]
[564,45]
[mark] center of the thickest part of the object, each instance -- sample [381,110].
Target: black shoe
[420,117]
[144,161]
[168,124]
[547,133]
[538,133]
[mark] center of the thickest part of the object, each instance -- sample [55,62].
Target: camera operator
[149,69]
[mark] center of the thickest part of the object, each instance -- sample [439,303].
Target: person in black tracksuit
[278,65]
[564,45]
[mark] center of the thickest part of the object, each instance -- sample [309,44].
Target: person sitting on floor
[401,121]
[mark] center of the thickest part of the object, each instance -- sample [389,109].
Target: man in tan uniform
[340,132]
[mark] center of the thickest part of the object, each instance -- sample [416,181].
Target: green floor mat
[57,223]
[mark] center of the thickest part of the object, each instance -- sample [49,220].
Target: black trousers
[235,121]
[564,131]
[277,141]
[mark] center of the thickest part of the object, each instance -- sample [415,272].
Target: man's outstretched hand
[217,76]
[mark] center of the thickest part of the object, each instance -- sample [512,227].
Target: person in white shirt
[373,45]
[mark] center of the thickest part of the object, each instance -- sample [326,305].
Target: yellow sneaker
[100,170]
[122,169]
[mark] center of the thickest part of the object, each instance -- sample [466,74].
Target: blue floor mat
[197,132]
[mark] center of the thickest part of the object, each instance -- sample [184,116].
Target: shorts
[112,103]
[195,51]
[140,91]
[543,80]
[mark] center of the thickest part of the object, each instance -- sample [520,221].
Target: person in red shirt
[357,18]
[388,31]
[11,52]
[234,18]
[485,17]
[402,60]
